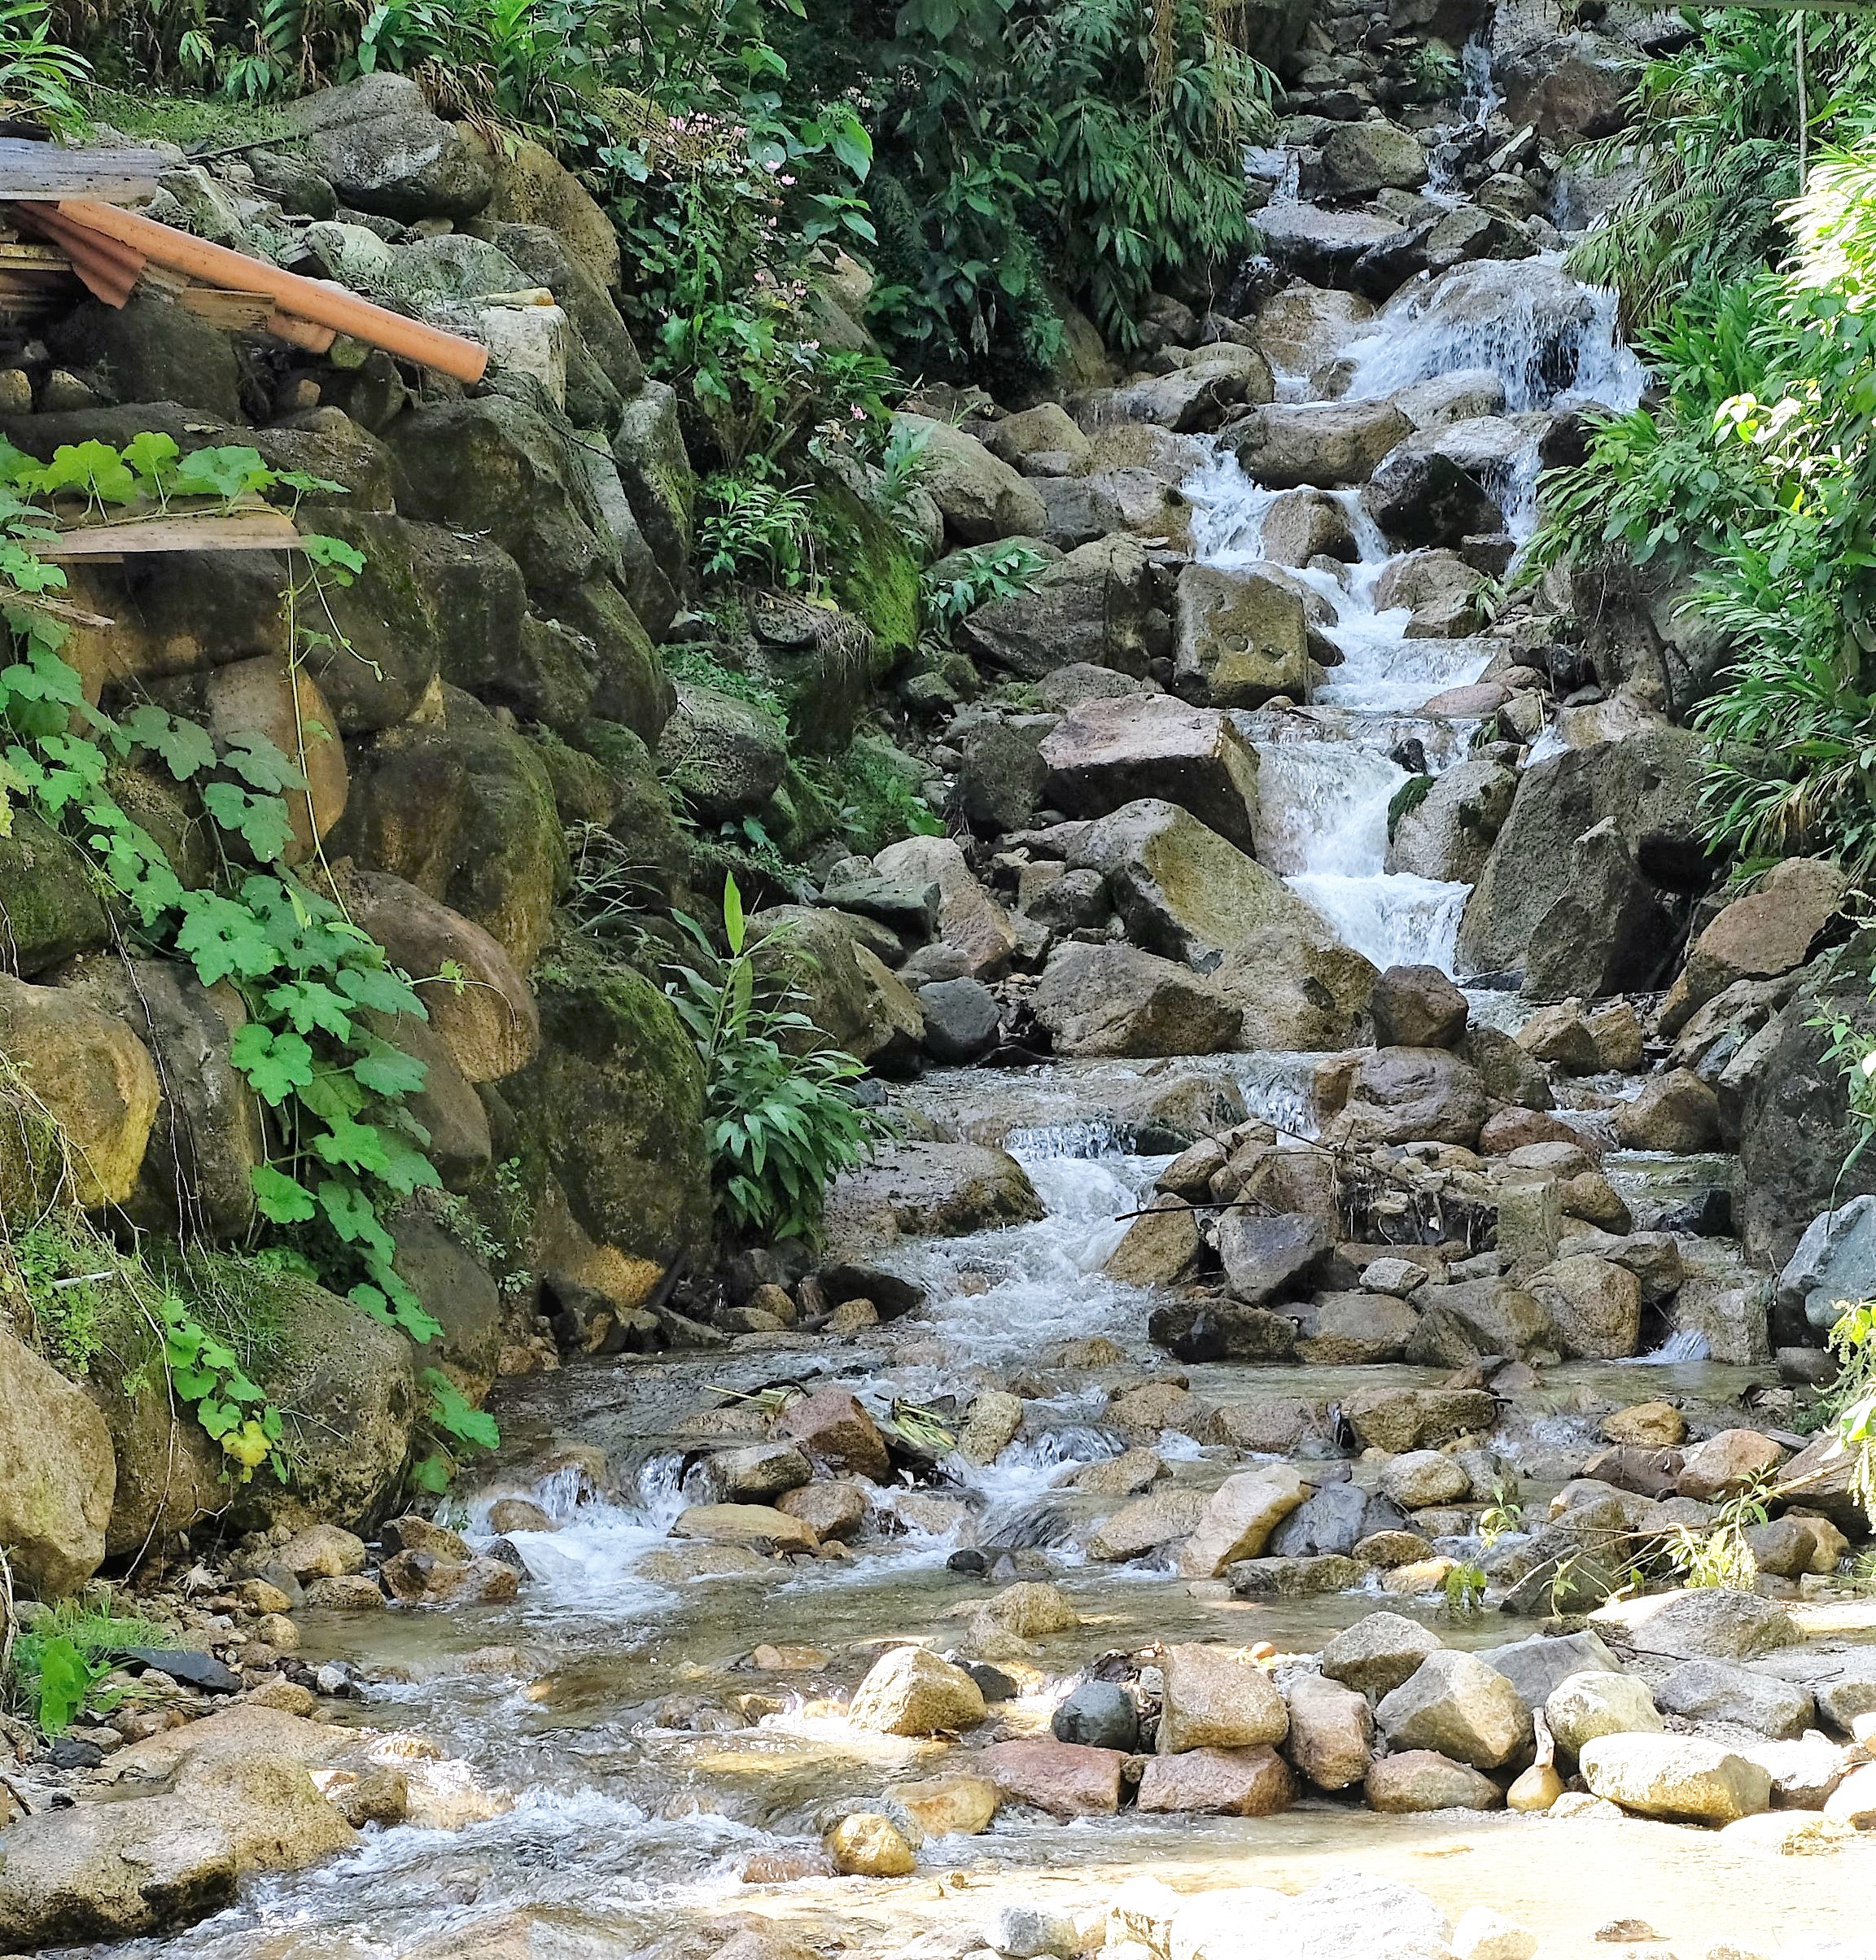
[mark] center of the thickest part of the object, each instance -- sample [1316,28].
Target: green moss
[877,576]
[188,120]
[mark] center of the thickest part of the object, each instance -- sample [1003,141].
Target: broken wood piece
[305,333]
[37,172]
[233,312]
[263,529]
[313,299]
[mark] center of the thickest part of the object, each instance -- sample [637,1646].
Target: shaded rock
[1422,1779]
[981,498]
[1454,1703]
[961,1020]
[839,982]
[57,1477]
[1676,1112]
[1766,933]
[1089,607]
[969,921]
[1238,1520]
[1711,1690]
[929,1190]
[1417,1006]
[1537,1666]
[1243,636]
[1158,1519]
[1330,446]
[1109,754]
[1118,1000]
[1331,1733]
[1263,1255]
[829,1508]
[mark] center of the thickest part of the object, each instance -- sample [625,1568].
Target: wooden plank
[232,311]
[44,173]
[246,530]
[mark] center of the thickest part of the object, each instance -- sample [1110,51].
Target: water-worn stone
[1331,1734]
[1241,635]
[1361,158]
[1767,933]
[1330,1521]
[1394,1420]
[983,498]
[1676,1777]
[1214,1698]
[1378,1653]
[865,1844]
[1108,754]
[1239,1519]
[1160,1246]
[1422,1779]
[1713,1691]
[969,921]
[1409,1094]
[949,1806]
[961,1020]
[1158,1519]
[835,1430]
[830,1508]
[910,1691]
[1089,608]
[1219,1782]
[759,1527]
[1536,1667]
[1118,1000]
[1708,1623]
[1594,1306]
[1676,1112]
[1417,1006]
[1419,1477]
[1330,446]
[1100,1715]
[1264,1256]
[1727,1463]
[1585,1706]
[1647,1425]
[1455,1704]
[1066,1779]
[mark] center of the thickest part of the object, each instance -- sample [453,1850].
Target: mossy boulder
[654,466]
[612,1107]
[56,1475]
[457,1289]
[151,350]
[50,909]
[852,997]
[724,757]
[877,575]
[463,810]
[640,818]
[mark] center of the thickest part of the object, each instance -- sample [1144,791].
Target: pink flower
[858,413]
[771,165]
[788,180]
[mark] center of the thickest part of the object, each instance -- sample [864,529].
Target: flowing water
[655,1778]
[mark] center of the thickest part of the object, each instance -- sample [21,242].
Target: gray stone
[1676,1777]
[961,1019]
[1101,1714]
[1455,1703]
[1378,1653]
[1536,1667]
[1712,1691]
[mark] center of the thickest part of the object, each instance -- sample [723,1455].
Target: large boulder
[915,1190]
[463,807]
[534,188]
[1108,754]
[380,146]
[1244,635]
[53,910]
[970,922]
[1648,783]
[1219,1699]
[1681,1777]
[85,1096]
[1403,1095]
[983,498]
[1568,87]
[1304,327]
[57,1478]
[612,1108]
[1184,891]
[1118,1000]
[724,757]
[1299,988]
[911,1692]
[1448,834]
[1595,1306]
[1604,933]
[1236,1523]
[1454,1703]
[1091,606]
[1331,446]
[1767,933]
[850,993]
[1361,158]
[1378,1653]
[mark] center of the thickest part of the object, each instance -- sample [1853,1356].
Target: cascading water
[1328,780]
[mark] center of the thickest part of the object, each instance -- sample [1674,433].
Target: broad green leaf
[275,1062]
[283,1199]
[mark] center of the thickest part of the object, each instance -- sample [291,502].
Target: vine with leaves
[344,1146]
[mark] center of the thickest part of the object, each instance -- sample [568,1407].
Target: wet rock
[1361,158]
[1395,1420]
[1714,1690]
[1676,1112]
[1676,1777]
[756,1527]
[1219,1782]
[1449,835]
[1417,1006]
[422,1577]
[961,1020]
[1726,1464]
[1042,441]
[829,1509]
[1292,1578]
[1221,1330]
[1422,1779]
[352,1594]
[1331,1733]
[913,1190]
[1406,1095]
[1263,1255]
[1216,1699]
[949,1806]
[1459,1324]
[1330,446]
[1238,1520]
[866,1845]
[1107,755]
[1455,1704]
[1712,1623]
[1390,1550]
[1584,1706]
[911,1692]
[1029,1609]
[1243,636]
[1306,524]
[1066,1779]
[1157,1519]
[1594,1306]
[1303,326]
[1160,1246]
[1419,1477]
[990,1424]
[1118,1000]
[758,1473]
[1100,1715]
[1378,1653]
[1126,1475]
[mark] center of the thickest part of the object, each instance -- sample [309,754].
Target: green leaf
[353,1146]
[259,761]
[93,469]
[152,455]
[309,1004]
[389,1071]
[262,822]
[380,989]
[226,472]
[334,554]
[224,939]
[283,1200]
[65,1679]
[185,746]
[275,1062]
[734,923]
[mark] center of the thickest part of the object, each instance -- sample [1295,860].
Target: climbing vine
[342,1145]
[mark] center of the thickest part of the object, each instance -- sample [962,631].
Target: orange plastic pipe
[306,299]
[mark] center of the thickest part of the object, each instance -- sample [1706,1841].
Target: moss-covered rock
[463,810]
[654,466]
[641,819]
[50,909]
[877,576]
[457,1289]
[612,1108]
[151,350]
[723,756]
[846,990]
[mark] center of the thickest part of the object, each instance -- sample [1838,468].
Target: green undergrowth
[207,123]
[343,1148]
[60,1655]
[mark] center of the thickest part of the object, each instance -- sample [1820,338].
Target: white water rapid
[1328,772]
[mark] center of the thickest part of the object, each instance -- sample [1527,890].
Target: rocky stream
[1221,1491]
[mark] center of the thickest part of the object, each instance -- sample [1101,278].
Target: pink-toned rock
[1065,1778]
[1472,703]
[1727,1462]
[833,1428]
[1227,1782]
